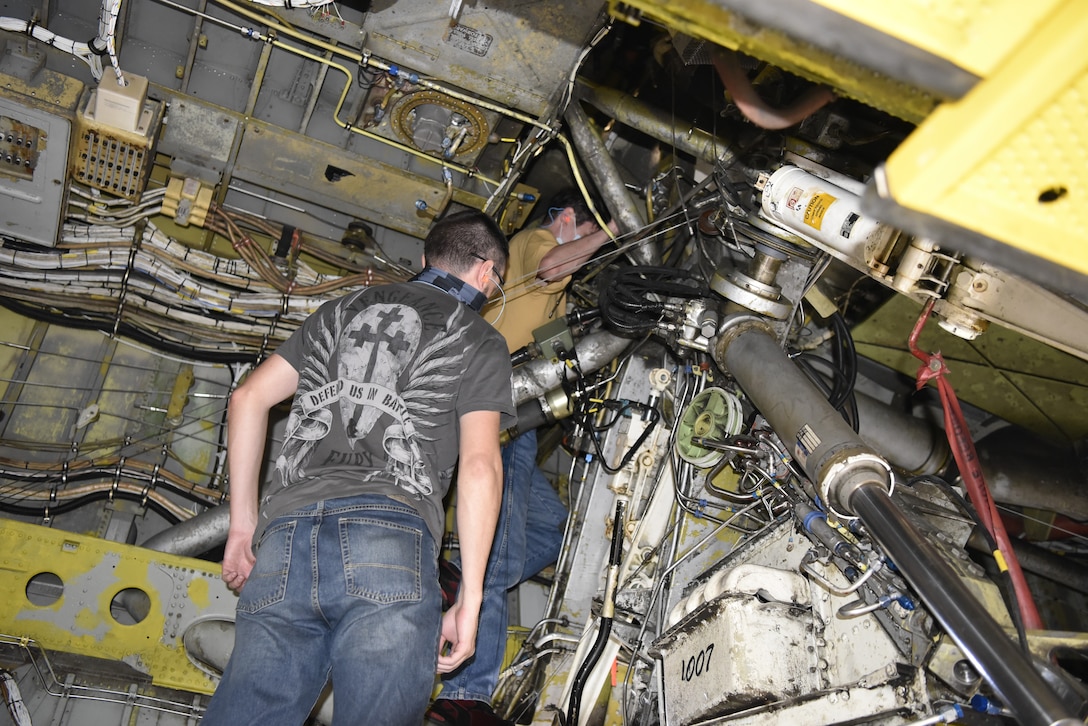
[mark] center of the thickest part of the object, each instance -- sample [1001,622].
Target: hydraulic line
[978,635]
[853,478]
[608,609]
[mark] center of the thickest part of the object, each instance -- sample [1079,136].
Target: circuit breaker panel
[33,157]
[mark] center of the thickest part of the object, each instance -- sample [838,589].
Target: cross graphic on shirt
[395,343]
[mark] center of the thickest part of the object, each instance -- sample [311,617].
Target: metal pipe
[978,635]
[539,376]
[602,170]
[195,535]
[909,442]
[1065,571]
[828,449]
[853,478]
[659,125]
[1023,470]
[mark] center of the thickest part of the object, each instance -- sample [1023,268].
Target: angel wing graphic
[430,388]
[303,430]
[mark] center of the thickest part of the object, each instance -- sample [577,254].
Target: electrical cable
[633,300]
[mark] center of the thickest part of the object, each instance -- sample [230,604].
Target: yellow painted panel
[80,614]
[1003,372]
[708,20]
[1010,159]
[976,35]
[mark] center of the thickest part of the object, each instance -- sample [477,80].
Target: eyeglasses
[494,270]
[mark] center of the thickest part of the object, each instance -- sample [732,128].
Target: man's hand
[459,625]
[238,560]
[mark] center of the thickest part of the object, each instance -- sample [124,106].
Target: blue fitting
[814,514]
[984,705]
[905,602]
[393,71]
[525,197]
[421,205]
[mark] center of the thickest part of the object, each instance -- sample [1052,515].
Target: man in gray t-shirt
[393,386]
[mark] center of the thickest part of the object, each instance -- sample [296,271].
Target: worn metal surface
[515,52]
[299,167]
[89,582]
[741,650]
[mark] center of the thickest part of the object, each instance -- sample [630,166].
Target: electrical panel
[117,130]
[33,158]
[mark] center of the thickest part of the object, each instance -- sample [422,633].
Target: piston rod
[856,480]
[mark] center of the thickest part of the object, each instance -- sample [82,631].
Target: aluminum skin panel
[299,167]
[510,51]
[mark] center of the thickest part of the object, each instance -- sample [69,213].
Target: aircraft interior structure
[819,410]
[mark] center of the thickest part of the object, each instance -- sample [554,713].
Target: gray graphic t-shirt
[384,376]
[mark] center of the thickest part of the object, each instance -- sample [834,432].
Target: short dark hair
[459,240]
[573,198]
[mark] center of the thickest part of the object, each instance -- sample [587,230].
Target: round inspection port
[130,606]
[44,589]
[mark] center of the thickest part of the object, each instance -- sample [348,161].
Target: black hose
[605,628]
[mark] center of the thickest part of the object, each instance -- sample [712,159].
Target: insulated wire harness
[634,301]
[165,293]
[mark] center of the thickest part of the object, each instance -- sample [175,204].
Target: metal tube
[910,443]
[602,170]
[825,446]
[977,634]
[195,535]
[1024,470]
[1066,571]
[539,376]
[657,124]
[851,477]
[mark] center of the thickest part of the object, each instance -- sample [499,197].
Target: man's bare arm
[247,427]
[479,493]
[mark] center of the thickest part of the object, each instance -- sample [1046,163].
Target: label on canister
[817,207]
[807,442]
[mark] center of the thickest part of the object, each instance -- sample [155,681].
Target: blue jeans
[347,590]
[528,538]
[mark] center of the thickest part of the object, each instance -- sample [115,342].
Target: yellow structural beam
[88,596]
[709,20]
[1010,159]
[976,35]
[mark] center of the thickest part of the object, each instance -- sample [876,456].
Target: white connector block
[120,106]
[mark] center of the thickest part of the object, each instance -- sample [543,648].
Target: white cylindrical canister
[827,215]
